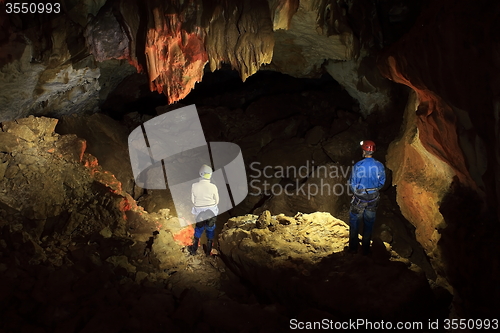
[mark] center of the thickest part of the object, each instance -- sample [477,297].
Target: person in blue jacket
[367,178]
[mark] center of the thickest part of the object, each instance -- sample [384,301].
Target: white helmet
[205,171]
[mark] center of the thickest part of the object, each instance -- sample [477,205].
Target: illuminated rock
[105,139]
[300,261]
[175,57]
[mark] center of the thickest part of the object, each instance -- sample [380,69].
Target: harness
[357,200]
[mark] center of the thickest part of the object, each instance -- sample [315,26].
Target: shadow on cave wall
[470,248]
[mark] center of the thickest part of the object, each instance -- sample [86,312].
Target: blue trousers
[202,226]
[366,212]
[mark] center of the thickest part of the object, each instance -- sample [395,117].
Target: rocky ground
[302,262]
[77,254]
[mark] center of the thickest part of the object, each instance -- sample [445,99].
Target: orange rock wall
[445,166]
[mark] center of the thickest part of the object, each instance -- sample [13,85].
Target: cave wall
[45,67]
[445,163]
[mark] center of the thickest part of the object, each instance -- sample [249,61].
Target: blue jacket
[367,173]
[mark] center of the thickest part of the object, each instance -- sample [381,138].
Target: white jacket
[204,194]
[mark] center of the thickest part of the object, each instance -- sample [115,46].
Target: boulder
[264,220]
[8,142]
[301,262]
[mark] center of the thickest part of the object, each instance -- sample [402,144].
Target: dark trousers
[366,211]
[208,225]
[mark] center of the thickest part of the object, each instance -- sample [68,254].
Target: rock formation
[301,261]
[77,253]
[445,163]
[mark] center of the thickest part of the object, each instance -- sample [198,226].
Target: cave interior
[295,85]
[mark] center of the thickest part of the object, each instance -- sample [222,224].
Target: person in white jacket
[205,198]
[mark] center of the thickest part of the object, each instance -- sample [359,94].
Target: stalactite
[241,35]
[178,46]
[175,57]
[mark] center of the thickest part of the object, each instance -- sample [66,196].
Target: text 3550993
[32,8]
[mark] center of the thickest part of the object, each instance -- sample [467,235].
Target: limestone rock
[437,170]
[175,54]
[105,139]
[8,142]
[21,131]
[264,220]
[106,232]
[282,12]
[3,168]
[71,147]
[427,184]
[163,246]
[155,200]
[140,276]
[58,167]
[46,90]
[363,82]
[106,38]
[122,261]
[42,127]
[46,70]
[303,47]
[283,219]
[305,233]
[243,38]
[305,260]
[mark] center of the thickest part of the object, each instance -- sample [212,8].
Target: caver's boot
[193,248]
[209,246]
[366,249]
